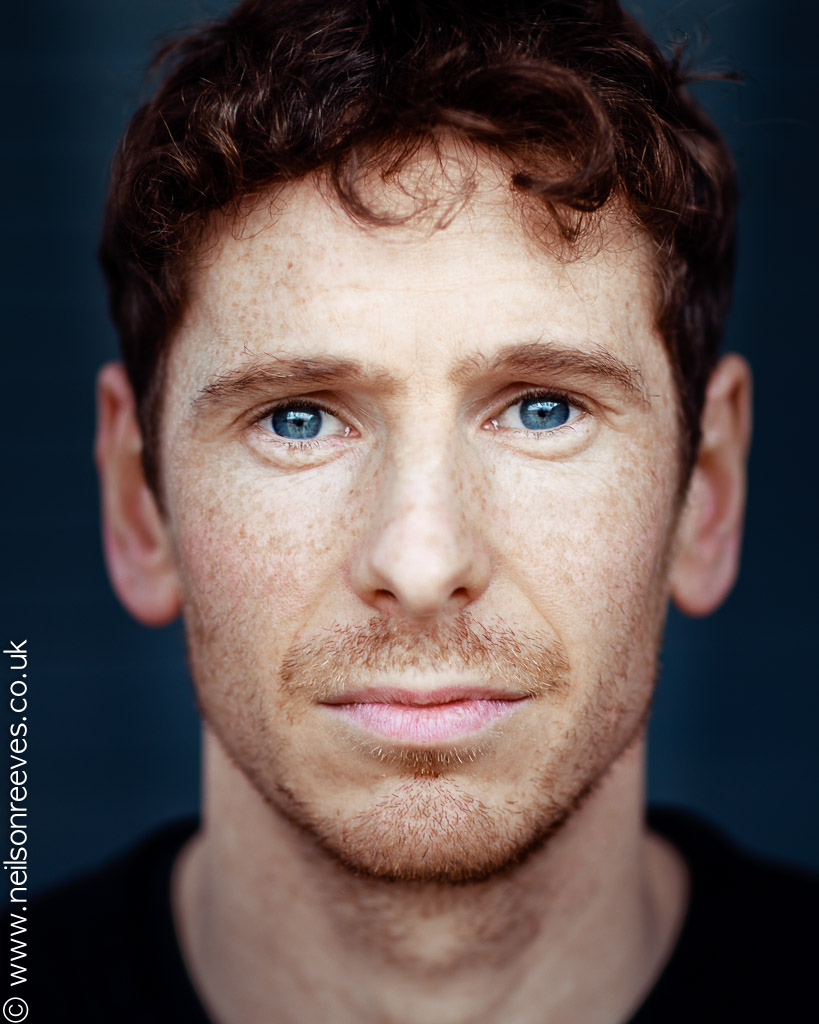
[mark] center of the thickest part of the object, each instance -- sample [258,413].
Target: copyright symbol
[15,1009]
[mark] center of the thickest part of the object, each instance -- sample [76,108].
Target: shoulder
[731,878]
[747,949]
[103,947]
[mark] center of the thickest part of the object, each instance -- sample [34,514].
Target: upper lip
[423,697]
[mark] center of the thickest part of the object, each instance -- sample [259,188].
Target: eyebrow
[541,358]
[289,374]
[532,359]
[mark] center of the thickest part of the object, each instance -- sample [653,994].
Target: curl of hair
[573,93]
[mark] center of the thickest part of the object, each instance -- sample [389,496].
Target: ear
[709,534]
[136,542]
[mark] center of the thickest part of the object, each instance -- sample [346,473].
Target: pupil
[543,414]
[297,422]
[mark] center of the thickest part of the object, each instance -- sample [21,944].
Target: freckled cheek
[268,553]
[586,548]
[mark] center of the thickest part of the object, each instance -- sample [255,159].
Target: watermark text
[16,863]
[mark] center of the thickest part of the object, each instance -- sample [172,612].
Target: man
[420,427]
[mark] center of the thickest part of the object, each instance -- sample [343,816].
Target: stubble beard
[429,828]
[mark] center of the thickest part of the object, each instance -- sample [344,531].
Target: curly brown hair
[574,94]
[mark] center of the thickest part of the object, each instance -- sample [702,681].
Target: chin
[430,829]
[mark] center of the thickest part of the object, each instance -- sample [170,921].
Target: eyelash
[313,443]
[550,396]
[289,443]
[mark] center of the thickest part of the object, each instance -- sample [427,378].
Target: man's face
[421,489]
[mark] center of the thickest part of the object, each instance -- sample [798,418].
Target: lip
[423,717]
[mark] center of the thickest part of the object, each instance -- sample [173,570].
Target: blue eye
[302,422]
[296,422]
[544,413]
[538,413]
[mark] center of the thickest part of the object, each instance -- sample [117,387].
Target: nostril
[419,559]
[385,601]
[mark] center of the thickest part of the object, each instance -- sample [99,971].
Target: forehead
[298,275]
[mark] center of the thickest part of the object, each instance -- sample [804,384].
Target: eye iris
[543,414]
[297,422]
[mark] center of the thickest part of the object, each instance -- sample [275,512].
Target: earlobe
[136,542]
[709,534]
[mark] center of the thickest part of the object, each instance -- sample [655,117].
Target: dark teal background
[113,728]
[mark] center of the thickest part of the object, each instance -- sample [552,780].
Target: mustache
[338,659]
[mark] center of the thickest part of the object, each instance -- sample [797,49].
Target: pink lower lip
[427,723]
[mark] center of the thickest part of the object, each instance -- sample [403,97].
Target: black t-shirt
[103,950]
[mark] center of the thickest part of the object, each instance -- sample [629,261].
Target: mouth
[423,717]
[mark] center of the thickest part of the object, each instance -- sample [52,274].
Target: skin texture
[427,540]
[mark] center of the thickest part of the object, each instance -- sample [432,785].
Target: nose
[424,554]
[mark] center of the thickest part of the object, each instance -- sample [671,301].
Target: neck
[273,928]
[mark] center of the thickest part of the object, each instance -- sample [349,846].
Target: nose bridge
[425,501]
[424,551]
